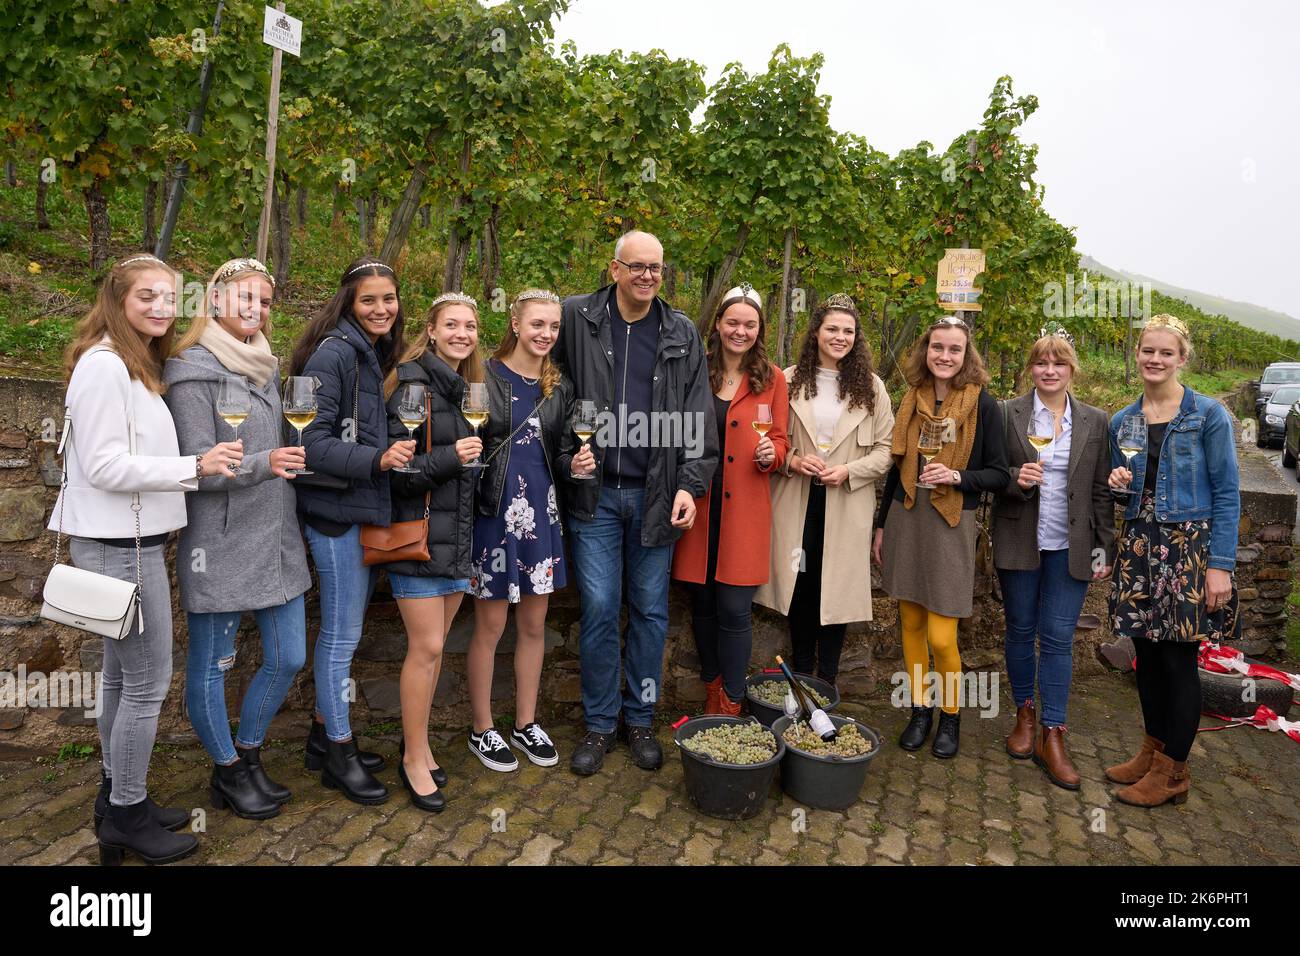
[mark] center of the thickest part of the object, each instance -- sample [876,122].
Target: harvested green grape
[734,743]
[848,741]
[772,693]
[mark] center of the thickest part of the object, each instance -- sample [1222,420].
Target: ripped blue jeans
[212,654]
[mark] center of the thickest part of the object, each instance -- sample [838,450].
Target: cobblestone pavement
[981,808]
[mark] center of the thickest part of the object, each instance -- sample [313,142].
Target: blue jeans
[1043,604]
[212,653]
[603,549]
[345,586]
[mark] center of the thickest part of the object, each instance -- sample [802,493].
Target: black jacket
[585,352]
[336,363]
[451,485]
[559,443]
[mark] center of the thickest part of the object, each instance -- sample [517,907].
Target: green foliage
[75,752]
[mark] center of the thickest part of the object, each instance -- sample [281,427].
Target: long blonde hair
[144,361]
[470,368]
[210,310]
[550,371]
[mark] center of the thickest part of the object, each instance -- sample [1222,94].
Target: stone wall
[29,477]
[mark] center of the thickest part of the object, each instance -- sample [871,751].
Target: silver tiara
[144,258]
[370,265]
[236,266]
[460,297]
[539,295]
[950,319]
[841,300]
[745,291]
[1056,330]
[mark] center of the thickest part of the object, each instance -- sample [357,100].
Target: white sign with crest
[282,31]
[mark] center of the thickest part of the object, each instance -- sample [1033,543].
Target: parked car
[1291,439]
[1272,420]
[1279,373]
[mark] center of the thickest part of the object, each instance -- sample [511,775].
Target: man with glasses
[643,364]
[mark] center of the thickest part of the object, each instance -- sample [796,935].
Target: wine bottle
[817,719]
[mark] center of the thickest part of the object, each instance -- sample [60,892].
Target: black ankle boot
[316,741]
[945,738]
[252,757]
[168,818]
[343,771]
[917,729]
[232,786]
[132,828]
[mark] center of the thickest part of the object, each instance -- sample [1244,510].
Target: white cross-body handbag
[83,599]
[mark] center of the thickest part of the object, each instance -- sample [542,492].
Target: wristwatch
[956,477]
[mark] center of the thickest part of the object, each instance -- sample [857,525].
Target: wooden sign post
[284,33]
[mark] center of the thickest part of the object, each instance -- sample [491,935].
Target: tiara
[1164,320]
[1056,330]
[745,291]
[460,297]
[143,258]
[529,295]
[952,320]
[236,266]
[841,300]
[370,265]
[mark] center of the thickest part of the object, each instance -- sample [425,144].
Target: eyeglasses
[638,268]
[951,320]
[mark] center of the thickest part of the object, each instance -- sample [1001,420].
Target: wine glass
[1041,434]
[233,405]
[825,439]
[1132,441]
[299,407]
[930,442]
[474,406]
[762,422]
[411,411]
[584,426]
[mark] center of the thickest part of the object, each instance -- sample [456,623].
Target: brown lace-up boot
[1021,742]
[1134,769]
[1166,781]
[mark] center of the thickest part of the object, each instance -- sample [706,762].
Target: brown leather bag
[401,540]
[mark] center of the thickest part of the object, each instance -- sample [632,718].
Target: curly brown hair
[972,371]
[755,364]
[857,371]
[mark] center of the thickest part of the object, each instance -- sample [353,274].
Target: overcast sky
[1169,133]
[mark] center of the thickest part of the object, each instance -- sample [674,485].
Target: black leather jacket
[680,387]
[559,443]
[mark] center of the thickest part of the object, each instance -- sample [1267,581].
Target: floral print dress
[520,550]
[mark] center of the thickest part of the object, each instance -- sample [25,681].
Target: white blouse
[107,463]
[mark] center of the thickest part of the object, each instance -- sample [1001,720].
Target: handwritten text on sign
[282,31]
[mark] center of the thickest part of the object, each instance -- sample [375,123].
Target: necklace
[527,380]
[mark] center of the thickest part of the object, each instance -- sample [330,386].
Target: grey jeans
[137,669]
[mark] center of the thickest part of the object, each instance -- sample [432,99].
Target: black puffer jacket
[451,486]
[680,388]
[559,443]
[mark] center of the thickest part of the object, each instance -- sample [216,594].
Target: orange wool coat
[745,542]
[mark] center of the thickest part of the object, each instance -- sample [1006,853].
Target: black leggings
[1169,686]
[720,620]
[814,644]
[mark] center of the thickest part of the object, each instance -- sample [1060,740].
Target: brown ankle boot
[1051,755]
[1021,742]
[1166,781]
[711,691]
[726,706]
[1134,769]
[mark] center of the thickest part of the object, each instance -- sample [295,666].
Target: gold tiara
[1167,321]
[236,266]
[841,300]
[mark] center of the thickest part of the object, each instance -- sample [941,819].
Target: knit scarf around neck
[962,407]
[253,359]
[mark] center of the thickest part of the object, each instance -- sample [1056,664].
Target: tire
[1222,694]
[1288,459]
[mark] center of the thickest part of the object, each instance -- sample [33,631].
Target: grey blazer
[1090,507]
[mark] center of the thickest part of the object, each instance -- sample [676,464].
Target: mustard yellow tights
[923,632]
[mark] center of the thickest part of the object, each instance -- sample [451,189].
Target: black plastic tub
[766,714]
[724,790]
[825,783]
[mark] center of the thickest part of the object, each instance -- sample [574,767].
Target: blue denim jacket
[1198,472]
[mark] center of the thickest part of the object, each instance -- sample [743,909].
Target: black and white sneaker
[532,740]
[492,749]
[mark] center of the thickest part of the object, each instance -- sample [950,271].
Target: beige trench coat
[862,442]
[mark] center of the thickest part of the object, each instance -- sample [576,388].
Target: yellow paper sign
[956,279]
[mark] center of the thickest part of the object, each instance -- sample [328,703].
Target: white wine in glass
[1041,433]
[474,406]
[233,406]
[1132,441]
[762,422]
[411,413]
[584,426]
[299,408]
[929,443]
